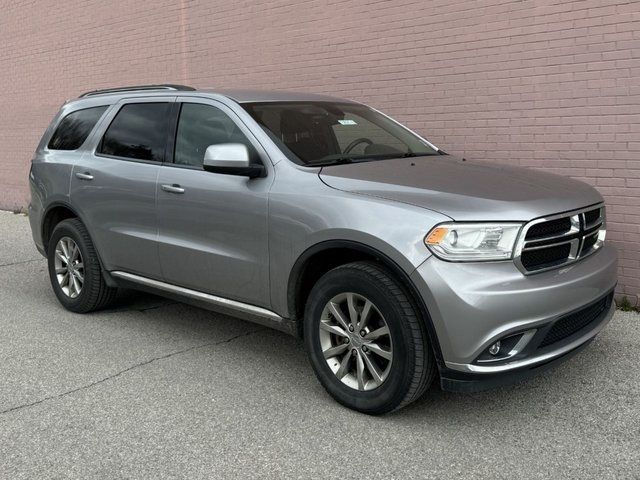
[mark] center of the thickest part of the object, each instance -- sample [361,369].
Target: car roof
[257,96]
[237,95]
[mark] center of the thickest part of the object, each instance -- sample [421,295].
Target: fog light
[506,347]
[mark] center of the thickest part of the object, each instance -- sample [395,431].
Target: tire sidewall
[392,391]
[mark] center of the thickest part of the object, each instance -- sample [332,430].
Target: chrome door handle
[84,176]
[175,188]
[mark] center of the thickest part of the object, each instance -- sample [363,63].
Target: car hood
[464,190]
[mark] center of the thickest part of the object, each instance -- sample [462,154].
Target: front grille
[592,216]
[589,242]
[545,257]
[576,321]
[551,228]
[559,240]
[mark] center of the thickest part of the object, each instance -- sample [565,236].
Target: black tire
[413,367]
[95,293]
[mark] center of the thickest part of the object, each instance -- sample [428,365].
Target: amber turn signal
[436,236]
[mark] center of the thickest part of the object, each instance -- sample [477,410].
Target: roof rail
[135,88]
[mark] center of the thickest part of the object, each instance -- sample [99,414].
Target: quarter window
[139,131]
[74,129]
[203,125]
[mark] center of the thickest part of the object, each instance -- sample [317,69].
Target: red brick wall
[548,84]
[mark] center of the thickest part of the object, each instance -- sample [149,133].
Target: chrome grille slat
[593,225]
[554,237]
[573,245]
[549,245]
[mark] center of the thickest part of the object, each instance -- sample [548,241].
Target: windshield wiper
[333,161]
[411,154]
[365,158]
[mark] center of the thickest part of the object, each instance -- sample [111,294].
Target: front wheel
[366,342]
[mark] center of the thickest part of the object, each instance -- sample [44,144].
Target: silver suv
[324,218]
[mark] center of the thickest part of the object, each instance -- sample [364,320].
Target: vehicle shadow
[267,351]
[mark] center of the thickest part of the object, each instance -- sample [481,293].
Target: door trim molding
[227,306]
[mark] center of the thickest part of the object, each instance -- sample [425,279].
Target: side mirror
[231,159]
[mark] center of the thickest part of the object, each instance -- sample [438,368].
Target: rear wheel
[365,340]
[74,269]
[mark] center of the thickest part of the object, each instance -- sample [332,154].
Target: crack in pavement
[21,262]
[127,309]
[128,369]
[156,307]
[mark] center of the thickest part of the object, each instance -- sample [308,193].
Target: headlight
[469,242]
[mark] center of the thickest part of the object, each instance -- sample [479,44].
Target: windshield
[325,133]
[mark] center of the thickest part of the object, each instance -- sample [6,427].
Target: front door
[213,227]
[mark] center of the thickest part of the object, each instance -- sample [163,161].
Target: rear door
[114,185]
[213,227]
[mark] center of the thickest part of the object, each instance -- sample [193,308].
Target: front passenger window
[200,126]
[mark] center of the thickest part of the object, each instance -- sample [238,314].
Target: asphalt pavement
[157,389]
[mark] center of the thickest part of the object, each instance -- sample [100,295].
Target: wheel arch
[324,256]
[53,215]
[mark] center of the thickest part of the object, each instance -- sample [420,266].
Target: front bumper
[472,305]
[455,381]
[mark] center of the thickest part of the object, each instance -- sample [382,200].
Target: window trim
[86,139]
[170,101]
[127,159]
[172,132]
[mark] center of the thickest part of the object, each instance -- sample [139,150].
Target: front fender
[312,213]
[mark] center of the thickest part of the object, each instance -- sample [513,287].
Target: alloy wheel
[355,341]
[69,267]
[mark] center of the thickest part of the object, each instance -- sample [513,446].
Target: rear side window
[139,131]
[74,129]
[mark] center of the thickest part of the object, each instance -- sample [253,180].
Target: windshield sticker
[347,122]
